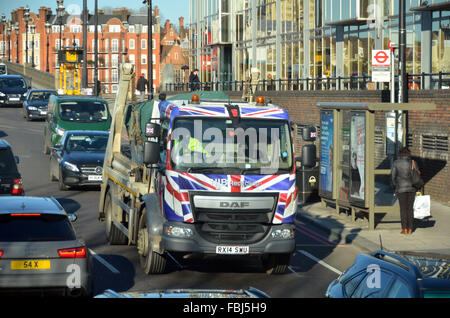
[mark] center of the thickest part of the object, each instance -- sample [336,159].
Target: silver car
[39,250]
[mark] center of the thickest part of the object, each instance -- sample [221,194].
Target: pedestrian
[402,180]
[141,84]
[194,80]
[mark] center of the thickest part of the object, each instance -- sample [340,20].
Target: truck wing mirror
[151,152]
[152,130]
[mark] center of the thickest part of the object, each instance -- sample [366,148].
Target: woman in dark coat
[404,189]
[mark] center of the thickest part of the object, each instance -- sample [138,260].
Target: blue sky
[169,9]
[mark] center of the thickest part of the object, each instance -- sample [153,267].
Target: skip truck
[199,174]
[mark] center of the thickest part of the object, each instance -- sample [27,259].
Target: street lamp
[4,28]
[32,31]
[60,14]
[16,30]
[150,46]
[48,28]
[8,30]
[26,18]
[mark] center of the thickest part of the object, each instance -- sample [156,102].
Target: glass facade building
[291,39]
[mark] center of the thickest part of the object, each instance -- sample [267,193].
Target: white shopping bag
[422,207]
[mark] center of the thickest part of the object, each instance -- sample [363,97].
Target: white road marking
[105,263]
[331,268]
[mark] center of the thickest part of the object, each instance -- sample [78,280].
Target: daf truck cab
[200,174]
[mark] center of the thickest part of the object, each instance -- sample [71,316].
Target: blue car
[384,274]
[36,104]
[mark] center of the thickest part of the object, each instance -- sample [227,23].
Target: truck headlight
[179,231]
[70,166]
[283,234]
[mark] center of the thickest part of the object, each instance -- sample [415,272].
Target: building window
[115,60]
[143,44]
[115,45]
[131,44]
[114,75]
[131,59]
[114,28]
[131,29]
[153,44]
[143,59]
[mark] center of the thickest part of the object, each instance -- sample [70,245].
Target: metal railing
[419,81]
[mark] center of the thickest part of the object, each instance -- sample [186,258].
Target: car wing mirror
[17,159]
[72,217]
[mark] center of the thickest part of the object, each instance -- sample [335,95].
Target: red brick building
[122,37]
[173,56]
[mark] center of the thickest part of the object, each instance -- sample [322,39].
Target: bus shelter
[358,144]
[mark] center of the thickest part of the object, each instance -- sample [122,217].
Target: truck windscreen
[215,145]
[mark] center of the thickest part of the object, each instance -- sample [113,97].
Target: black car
[13,89]
[10,178]
[77,160]
[384,274]
[36,104]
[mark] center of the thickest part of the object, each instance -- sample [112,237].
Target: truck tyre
[113,234]
[276,264]
[151,262]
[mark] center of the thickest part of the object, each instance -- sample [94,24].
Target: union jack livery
[228,206]
[200,174]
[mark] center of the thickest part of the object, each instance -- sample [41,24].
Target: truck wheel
[276,264]
[151,262]
[113,234]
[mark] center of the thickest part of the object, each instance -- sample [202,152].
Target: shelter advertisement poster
[357,156]
[326,153]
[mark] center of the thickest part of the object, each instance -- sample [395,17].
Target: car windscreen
[7,161]
[83,111]
[35,228]
[92,143]
[39,96]
[12,83]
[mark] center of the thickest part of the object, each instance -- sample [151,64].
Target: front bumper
[72,178]
[37,114]
[197,244]
[7,100]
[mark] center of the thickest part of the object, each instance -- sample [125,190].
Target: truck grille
[233,226]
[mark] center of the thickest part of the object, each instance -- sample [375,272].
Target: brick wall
[426,130]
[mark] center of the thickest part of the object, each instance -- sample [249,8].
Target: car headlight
[70,166]
[32,108]
[24,94]
[60,131]
[2,94]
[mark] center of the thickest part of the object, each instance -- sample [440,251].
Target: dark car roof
[79,98]
[87,132]
[11,76]
[12,204]
[42,90]
[4,143]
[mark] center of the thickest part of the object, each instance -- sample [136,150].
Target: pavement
[430,235]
